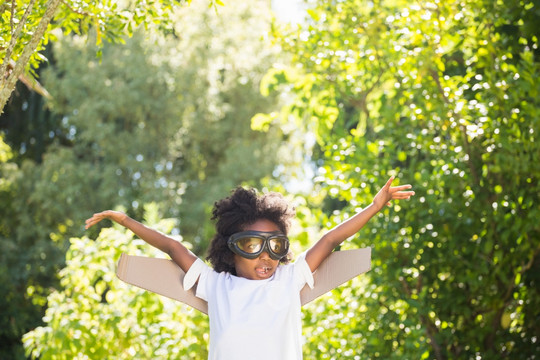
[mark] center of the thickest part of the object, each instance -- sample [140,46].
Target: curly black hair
[239,210]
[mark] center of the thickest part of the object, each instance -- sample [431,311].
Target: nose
[264,255]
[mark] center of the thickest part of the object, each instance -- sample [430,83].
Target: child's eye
[277,246]
[250,245]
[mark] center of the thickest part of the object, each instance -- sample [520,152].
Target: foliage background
[96,316]
[443,95]
[158,119]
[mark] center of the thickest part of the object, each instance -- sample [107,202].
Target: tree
[11,327]
[161,119]
[29,25]
[180,131]
[445,96]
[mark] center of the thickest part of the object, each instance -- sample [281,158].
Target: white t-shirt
[253,319]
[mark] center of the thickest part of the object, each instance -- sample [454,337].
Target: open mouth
[263,271]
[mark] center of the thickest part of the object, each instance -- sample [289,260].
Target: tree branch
[14,37]
[78,12]
[507,298]
[7,87]
[30,82]
[13,5]
[431,329]
[467,144]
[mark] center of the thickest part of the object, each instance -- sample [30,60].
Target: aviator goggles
[251,244]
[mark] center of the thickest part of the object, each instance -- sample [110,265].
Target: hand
[389,192]
[116,216]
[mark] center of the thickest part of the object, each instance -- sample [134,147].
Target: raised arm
[328,242]
[178,252]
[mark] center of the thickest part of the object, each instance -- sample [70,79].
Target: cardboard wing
[338,268]
[160,276]
[164,277]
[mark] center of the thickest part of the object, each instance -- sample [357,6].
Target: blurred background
[160,108]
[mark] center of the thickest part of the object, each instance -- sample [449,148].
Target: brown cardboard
[338,268]
[160,276]
[164,277]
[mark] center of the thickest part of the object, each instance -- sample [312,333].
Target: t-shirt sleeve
[198,274]
[303,274]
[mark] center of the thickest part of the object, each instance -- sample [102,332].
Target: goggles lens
[251,244]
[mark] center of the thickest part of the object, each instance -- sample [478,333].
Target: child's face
[262,267]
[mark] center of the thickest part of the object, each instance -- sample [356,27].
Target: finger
[403,195]
[407,193]
[92,220]
[93,217]
[389,182]
[401,187]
